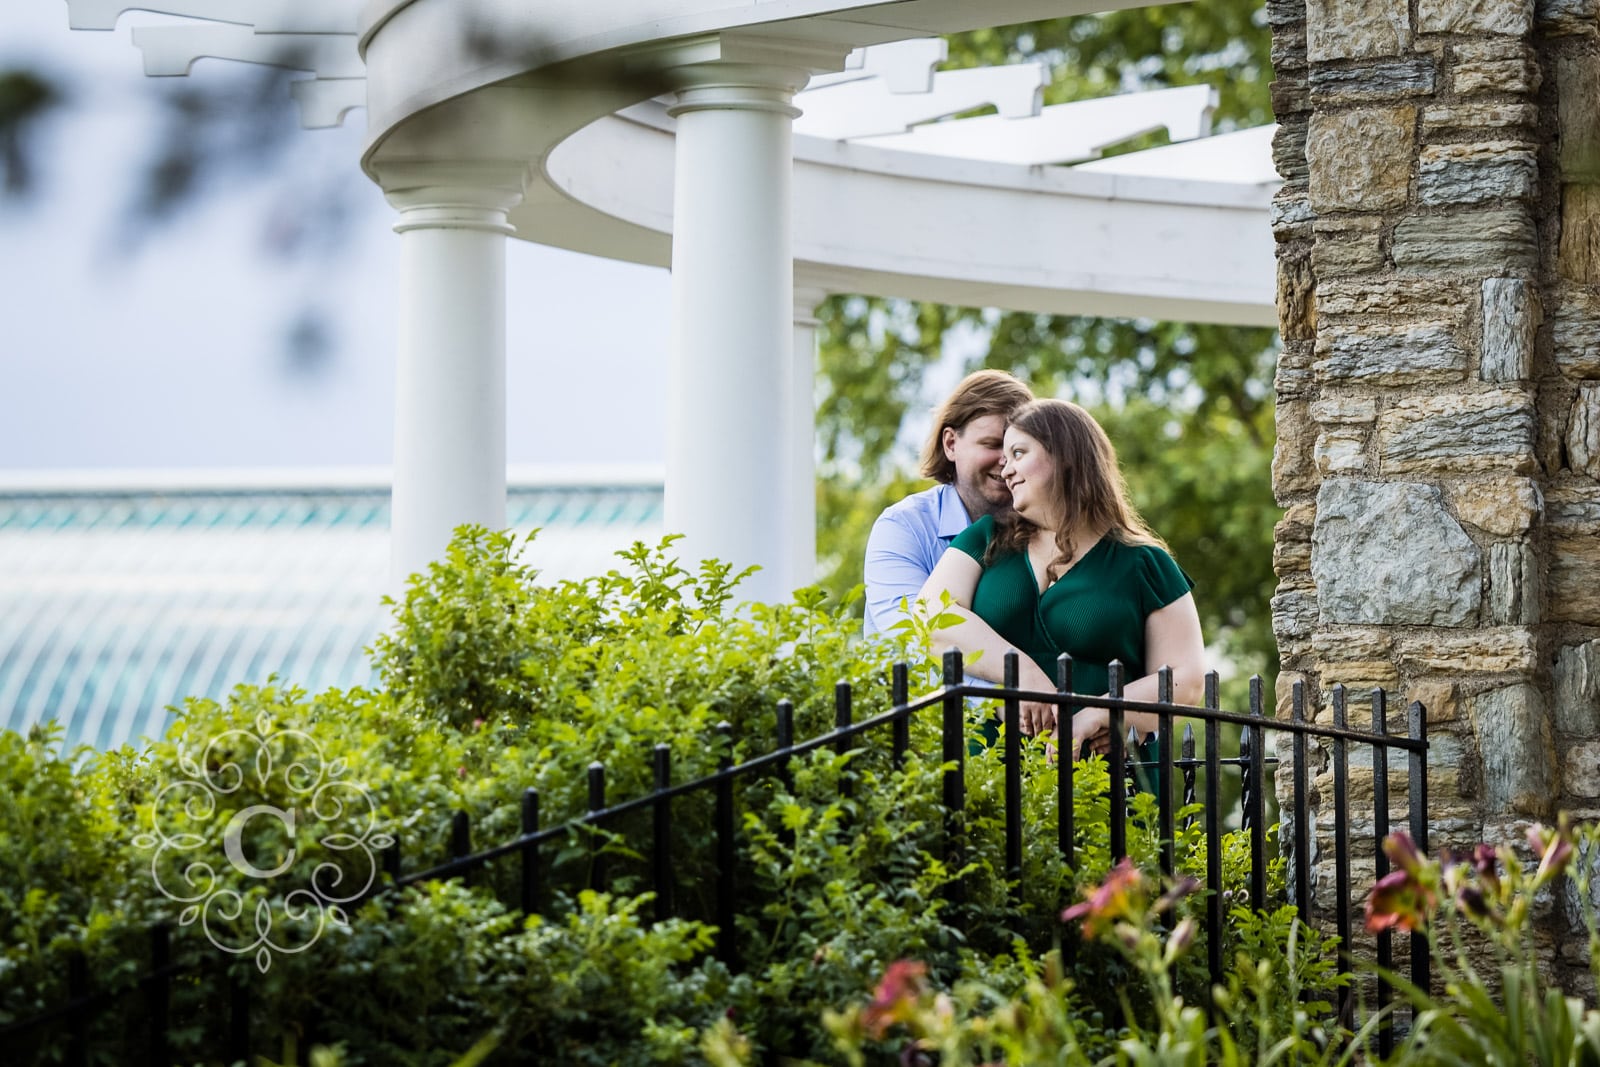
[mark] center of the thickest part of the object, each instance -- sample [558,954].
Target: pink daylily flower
[901,987]
[1110,901]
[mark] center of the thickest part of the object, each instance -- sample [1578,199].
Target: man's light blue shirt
[905,544]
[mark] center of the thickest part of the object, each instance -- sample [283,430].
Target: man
[963,455]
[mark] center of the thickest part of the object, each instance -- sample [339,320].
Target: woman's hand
[1036,718]
[1094,726]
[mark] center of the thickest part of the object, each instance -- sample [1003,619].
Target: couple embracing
[1031,533]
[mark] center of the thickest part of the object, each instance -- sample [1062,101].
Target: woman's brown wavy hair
[1093,491]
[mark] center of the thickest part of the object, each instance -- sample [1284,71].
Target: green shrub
[491,684]
[69,883]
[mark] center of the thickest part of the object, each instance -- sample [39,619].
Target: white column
[801,435]
[450,384]
[728,457]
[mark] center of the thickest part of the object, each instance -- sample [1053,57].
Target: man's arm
[896,566]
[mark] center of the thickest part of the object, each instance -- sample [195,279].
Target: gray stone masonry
[1438,453]
[1510,319]
[1577,693]
[1389,552]
[1475,16]
[1389,355]
[1518,753]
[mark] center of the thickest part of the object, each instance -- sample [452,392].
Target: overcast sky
[178,350]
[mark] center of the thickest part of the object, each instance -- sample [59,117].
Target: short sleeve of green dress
[1095,612]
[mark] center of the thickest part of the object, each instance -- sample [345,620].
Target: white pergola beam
[324,102]
[170,51]
[903,67]
[1063,133]
[267,16]
[863,108]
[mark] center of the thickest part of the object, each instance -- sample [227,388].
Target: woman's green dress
[1095,612]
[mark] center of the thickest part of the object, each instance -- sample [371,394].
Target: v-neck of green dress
[1080,561]
[1041,618]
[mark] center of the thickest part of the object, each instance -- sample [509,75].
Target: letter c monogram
[233,845]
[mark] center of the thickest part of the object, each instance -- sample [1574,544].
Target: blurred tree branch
[26,97]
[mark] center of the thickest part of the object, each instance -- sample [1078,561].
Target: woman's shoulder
[1153,564]
[1137,550]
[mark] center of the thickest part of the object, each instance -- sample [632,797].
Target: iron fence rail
[84,1004]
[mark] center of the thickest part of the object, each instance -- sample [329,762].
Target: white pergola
[771,153]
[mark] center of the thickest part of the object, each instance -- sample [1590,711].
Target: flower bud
[1181,938]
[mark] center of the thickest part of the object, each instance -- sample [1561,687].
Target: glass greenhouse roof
[116,605]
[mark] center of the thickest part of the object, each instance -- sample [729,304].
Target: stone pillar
[728,462]
[800,434]
[1439,392]
[1569,406]
[450,386]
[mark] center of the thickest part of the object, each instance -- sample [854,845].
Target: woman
[1071,569]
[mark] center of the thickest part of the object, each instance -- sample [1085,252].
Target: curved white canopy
[957,231]
[966,212]
[676,131]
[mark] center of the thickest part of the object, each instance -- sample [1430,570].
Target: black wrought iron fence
[1176,772]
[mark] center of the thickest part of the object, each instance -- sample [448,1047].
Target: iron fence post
[1164,770]
[727,935]
[841,721]
[597,802]
[1341,845]
[1255,777]
[1302,810]
[786,742]
[1186,756]
[1417,794]
[955,756]
[1066,762]
[530,852]
[461,841]
[900,696]
[1013,758]
[1380,830]
[1214,910]
[661,825]
[1116,767]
